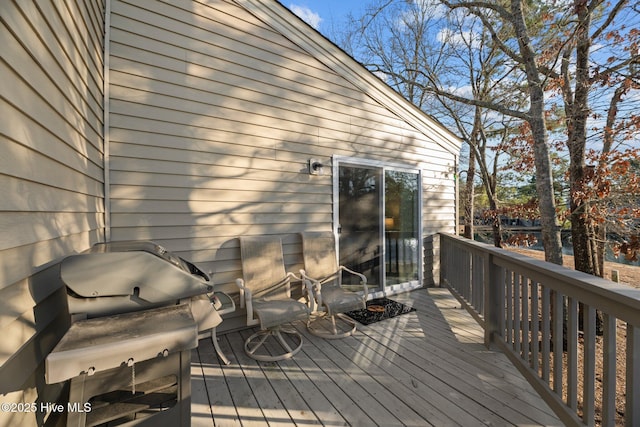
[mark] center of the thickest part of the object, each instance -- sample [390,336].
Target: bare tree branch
[469,5]
[434,88]
[615,10]
[473,6]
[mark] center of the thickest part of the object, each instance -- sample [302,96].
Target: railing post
[444,260]
[493,299]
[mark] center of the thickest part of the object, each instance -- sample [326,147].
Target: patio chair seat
[272,312]
[337,300]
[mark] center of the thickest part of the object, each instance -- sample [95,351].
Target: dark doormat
[379,309]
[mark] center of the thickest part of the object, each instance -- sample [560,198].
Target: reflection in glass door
[360,223]
[401,219]
[379,224]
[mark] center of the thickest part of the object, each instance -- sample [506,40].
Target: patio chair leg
[332,330]
[333,325]
[250,349]
[259,344]
[282,341]
[216,346]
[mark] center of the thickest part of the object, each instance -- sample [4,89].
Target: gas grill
[136,312]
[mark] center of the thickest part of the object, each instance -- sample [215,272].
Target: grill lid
[142,270]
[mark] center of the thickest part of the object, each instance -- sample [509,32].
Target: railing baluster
[589,368]
[451,268]
[546,333]
[572,354]
[474,279]
[557,321]
[494,300]
[500,280]
[444,261]
[632,409]
[609,371]
[469,281]
[461,271]
[456,271]
[535,326]
[472,282]
[452,262]
[517,320]
[509,298]
[524,281]
[478,283]
[459,254]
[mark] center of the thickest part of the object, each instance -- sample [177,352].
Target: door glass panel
[401,222]
[360,223]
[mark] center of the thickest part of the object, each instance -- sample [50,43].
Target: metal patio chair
[324,275]
[265,290]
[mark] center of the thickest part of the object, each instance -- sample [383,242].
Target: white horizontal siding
[51,126]
[214,115]
[51,178]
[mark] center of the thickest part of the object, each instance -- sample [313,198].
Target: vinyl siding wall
[214,116]
[51,179]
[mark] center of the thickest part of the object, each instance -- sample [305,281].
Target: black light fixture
[316,167]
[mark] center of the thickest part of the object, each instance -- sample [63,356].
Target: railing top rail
[619,299]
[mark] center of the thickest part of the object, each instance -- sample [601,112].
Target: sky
[329,16]
[321,14]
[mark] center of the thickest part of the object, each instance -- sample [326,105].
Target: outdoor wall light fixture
[316,167]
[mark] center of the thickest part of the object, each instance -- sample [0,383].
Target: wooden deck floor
[429,367]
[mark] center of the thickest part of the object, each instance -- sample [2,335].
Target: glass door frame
[384,166]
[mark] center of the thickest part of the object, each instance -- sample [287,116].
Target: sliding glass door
[378,222]
[360,227]
[402,227]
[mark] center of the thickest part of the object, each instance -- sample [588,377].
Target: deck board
[428,367]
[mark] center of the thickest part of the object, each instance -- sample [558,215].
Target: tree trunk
[598,249]
[469,196]
[497,223]
[577,133]
[544,186]
[581,240]
[544,179]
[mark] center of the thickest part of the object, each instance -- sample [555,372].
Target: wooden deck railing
[530,308]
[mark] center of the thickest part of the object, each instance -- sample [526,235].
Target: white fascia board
[303,35]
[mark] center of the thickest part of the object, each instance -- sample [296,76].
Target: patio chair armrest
[363,279]
[310,284]
[286,281]
[293,277]
[308,279]
[246,301]
[245,293]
